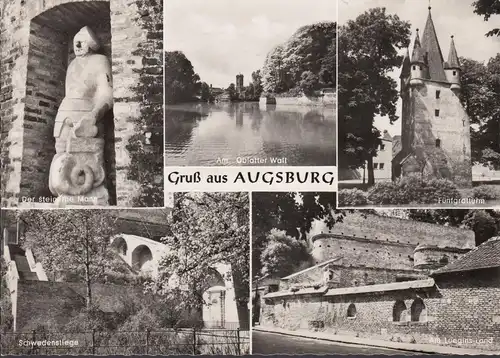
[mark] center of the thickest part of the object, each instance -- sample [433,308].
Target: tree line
[305,63]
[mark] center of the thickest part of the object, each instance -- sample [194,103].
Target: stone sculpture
[77,175]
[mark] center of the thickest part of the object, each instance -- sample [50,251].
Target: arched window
[418,311]
[351,311]
[399,312]
[438,143]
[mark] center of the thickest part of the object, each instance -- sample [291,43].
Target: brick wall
[137,44]
[14,37]
[461,310]
[29,99]
[47,63]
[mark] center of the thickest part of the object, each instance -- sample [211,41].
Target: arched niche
[50,51]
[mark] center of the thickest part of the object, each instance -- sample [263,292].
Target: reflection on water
[249,134]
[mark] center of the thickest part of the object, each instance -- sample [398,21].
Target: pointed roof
[430,46]
[453,61]
[418,54]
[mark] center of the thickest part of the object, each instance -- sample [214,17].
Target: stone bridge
[144,255]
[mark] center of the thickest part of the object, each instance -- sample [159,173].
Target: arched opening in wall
[120,246]
[214,300]
[351,311]
[50,52]
[444,260]
[142,259]
[418,311]
[399,312]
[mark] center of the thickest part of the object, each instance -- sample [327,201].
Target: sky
[451,17]
[222,38]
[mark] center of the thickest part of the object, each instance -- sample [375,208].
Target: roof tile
[486,255]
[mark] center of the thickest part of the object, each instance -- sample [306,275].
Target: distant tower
[435,138]
[239,83]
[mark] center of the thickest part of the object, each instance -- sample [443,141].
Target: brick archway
[49,54]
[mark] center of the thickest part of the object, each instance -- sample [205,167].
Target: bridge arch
[119,244]
[141,258]
[214,299]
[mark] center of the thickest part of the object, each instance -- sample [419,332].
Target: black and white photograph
[419,103]
[171,281]
[81,103]
[252,84]
[378,281]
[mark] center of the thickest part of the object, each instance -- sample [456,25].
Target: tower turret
[452,67]
[418,65]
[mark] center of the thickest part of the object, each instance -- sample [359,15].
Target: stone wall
[361,251]
[398,231]
[460,310]
[301,101]
[35,36]
[452,160]
[57,302]
[352,275]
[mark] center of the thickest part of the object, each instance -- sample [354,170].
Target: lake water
[249,134]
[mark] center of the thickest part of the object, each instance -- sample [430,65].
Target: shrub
[413,189]
[486,192]
[352,197]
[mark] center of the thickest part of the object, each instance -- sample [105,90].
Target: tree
[367,53]
[257,84]
[205,92]
[482,222]
[480,96]
[231,90]
[308,82]
[70,241]
[488,8]
[291,212]
[310,49]
[283,254]
[208,229]
[181,82]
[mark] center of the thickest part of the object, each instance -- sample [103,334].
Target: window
[351,311]
[381,166]
[454,73]
[438,143]
[436,112]
[399,312]
[375,165]
[414,68]
[418,311]
[438,93]
[382,147]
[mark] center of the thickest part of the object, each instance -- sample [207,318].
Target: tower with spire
[435,133]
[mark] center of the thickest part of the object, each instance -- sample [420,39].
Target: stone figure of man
[77,174]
